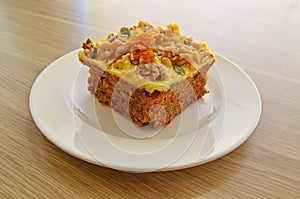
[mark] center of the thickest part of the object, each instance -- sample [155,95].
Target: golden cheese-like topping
[147,56]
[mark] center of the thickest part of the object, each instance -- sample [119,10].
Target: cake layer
[138,104]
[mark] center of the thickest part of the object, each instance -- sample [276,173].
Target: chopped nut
[166,61]
[121,50]
[115,44]
[89,41]
[94,53]
[188,41]
[141,60]
[196,57]
[86,51]
[152,71]
[110,35]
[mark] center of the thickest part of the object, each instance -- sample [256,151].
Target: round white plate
[227,117]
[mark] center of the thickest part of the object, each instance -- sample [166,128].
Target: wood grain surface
[263,37]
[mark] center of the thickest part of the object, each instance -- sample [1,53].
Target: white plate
[226,118]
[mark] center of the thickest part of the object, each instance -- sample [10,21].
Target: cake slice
[148,74]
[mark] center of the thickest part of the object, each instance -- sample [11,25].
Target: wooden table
[263,37]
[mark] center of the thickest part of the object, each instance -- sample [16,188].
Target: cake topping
[142,57]
[125,31]
[160,55]
[94,53]
[179,70]
[155,72]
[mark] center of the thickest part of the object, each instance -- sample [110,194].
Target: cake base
[156,109]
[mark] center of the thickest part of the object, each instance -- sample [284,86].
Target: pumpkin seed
[179,70]
[125,31]
[122,37]
[159,53]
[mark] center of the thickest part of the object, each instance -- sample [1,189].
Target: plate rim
[211,156]
[187,164]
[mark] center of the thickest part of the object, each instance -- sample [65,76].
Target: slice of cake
[148,74]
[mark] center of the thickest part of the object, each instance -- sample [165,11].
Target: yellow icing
[127,73]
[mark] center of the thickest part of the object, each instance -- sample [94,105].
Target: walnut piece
[155,72]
